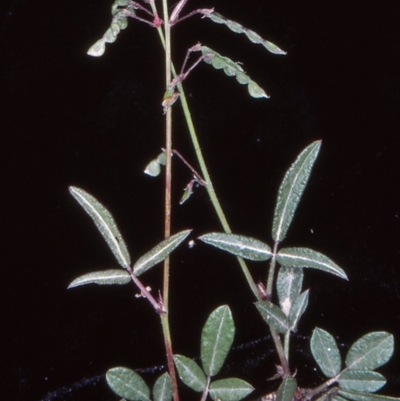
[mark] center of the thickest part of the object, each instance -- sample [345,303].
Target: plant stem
[286,343]
[214,199]
[210,188]
[167,222]
[271,272]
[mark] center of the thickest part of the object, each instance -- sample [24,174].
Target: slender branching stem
[280,351]
[212,194]
[206,175]
[143,290]
[210,188]
[167,222]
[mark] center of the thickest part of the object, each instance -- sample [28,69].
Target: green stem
[215,202]
[210,188]
[286,344]
[280,351]
[271,272]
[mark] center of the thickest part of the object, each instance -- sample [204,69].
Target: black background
[69,119]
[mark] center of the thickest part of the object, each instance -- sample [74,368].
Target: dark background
[69,119]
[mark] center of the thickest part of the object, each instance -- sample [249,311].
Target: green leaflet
[105,277]
[128,384]
[307,258]
[361,380]
[299,307]
[239,245]
[371,351]
[325,352]
[273,316]
[190,373]
[251,35]
[118,23]
[162,390]
[216,339]
[291,190]
[287,389]
[232,69]
[104,223]
[231,389]
[159,252]
[360,396]
[288,286]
